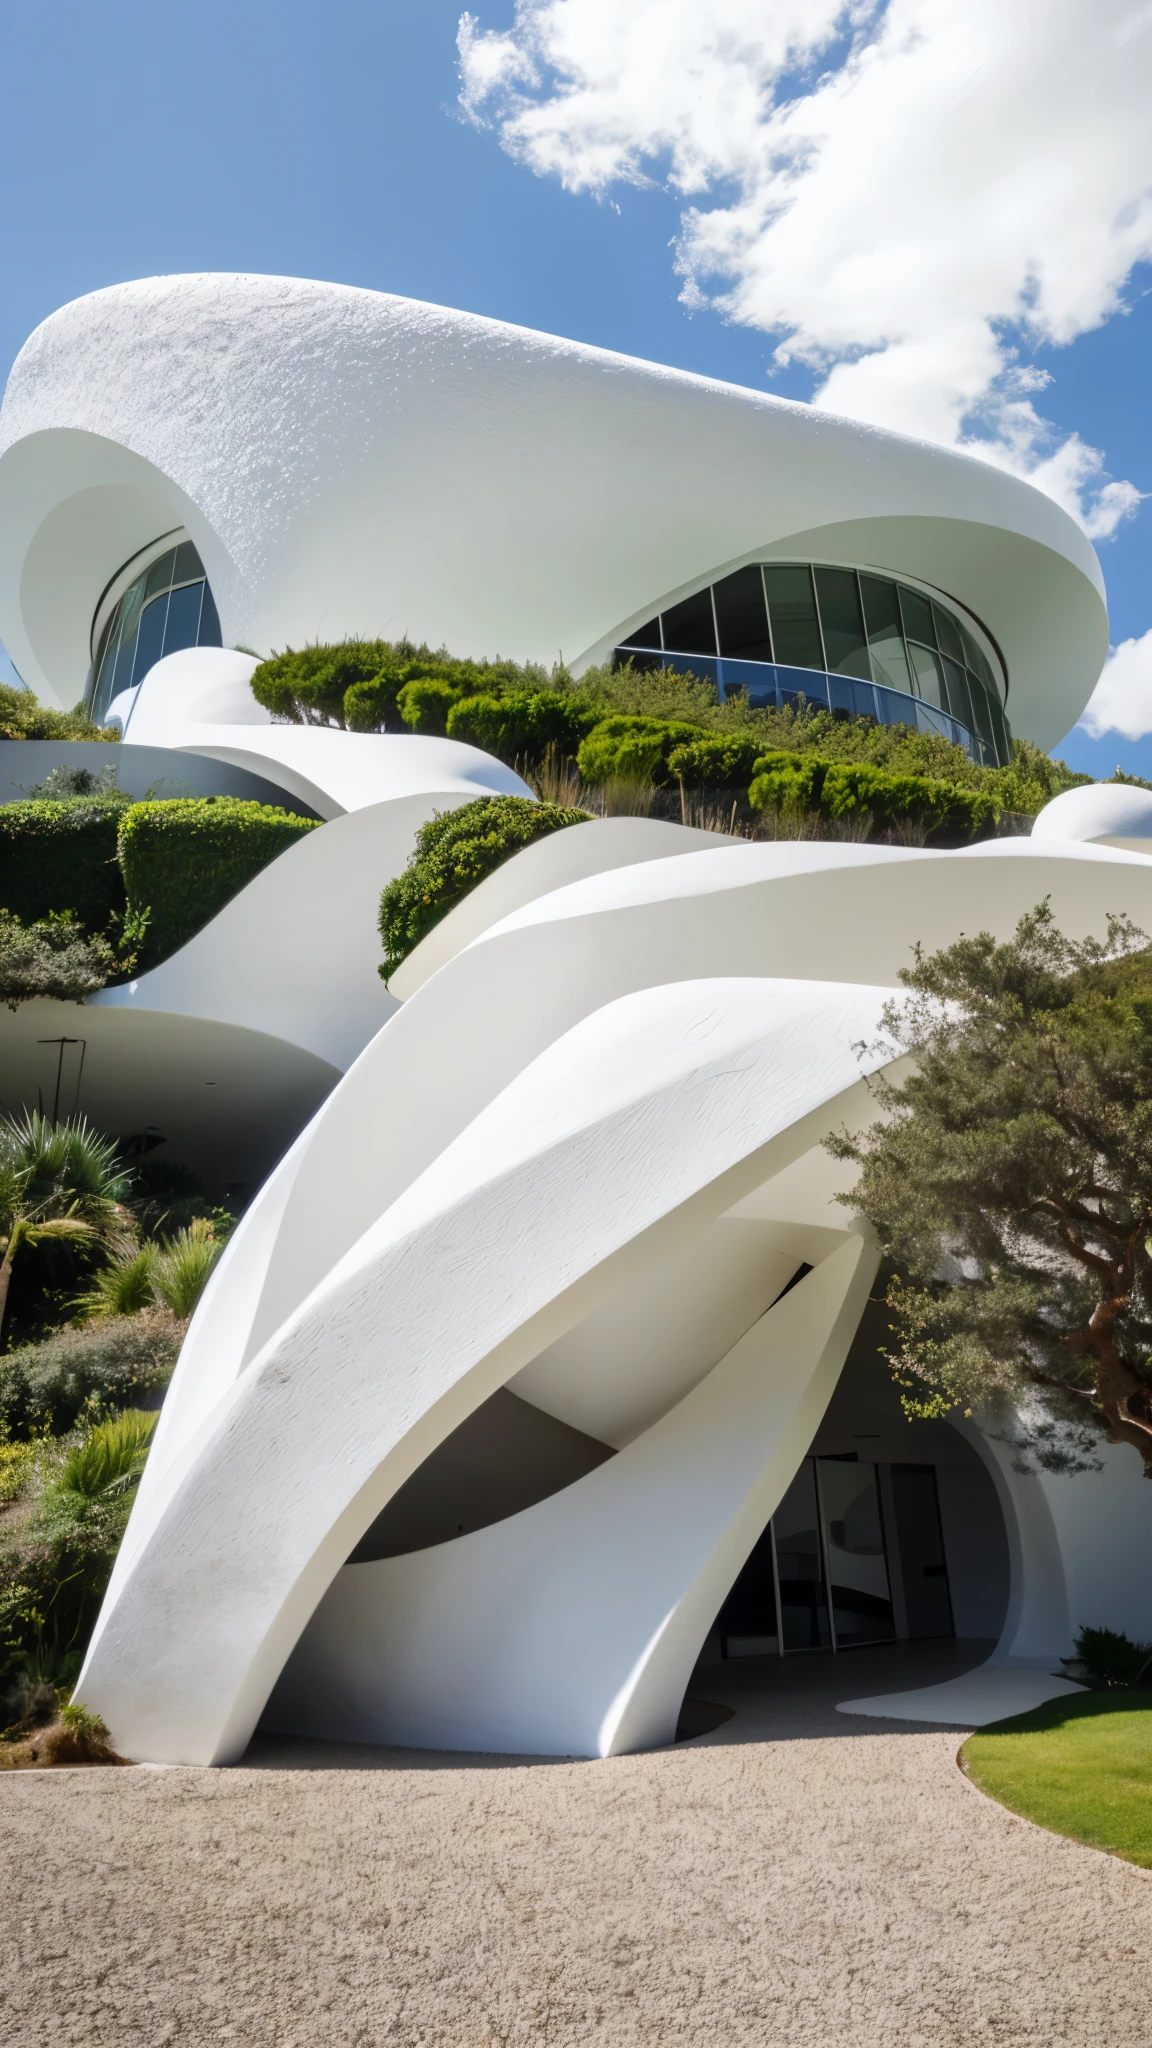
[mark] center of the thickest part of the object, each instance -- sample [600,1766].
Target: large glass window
[741,616]
[765,629]
[795,626]
[845,648]
[167,607]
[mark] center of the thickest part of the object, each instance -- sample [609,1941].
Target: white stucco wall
[349,461]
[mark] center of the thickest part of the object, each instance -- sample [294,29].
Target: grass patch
[1080,1766]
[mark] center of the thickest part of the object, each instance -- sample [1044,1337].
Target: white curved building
[544,1357]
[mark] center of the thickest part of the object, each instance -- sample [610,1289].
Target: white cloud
[1122,699]
[906,195]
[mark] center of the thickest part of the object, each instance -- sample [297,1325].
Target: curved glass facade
[167,607]
[846,640]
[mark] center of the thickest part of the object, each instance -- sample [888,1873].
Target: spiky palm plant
[57,1181]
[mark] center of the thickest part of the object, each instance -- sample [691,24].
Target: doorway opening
[853,1556]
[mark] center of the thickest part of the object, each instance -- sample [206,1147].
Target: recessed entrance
[851,1543]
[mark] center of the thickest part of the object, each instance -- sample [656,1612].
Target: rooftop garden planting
[526,715]
[96,887]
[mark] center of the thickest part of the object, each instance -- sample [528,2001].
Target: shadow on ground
[743,1699]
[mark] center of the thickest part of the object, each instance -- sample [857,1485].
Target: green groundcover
[1081,1765]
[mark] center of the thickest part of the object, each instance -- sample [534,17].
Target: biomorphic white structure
[548,1323]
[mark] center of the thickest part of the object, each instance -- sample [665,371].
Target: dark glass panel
[929,683]
[647,635]
[917,617]
[885,633]
[188,567]
[150,638]
[809,683]
[755,681]
[688,627]
[1002,745]
[957,683]
[857,1566]
[647,663]
[741,617]
[800,1565]
[948,633]
[102,694]
[976,659]
[129,609]
[159,576]
[845,652]
[747,1620]
[183,618]
[792,608]
[209,635]
[702,665]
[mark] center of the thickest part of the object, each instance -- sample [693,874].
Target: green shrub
[787,783]
[632,749]
[56,1560]
[52,957]
[308,685]
[718,760]
[1108,1658]
[22,717]
[184,859]
[846,790]
[124,1287]
[116,1364]
[109,1457]
[424,704]
[60,855]
[522,725]
[454,851]
[183,1266]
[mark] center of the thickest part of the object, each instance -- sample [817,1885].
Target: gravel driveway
[794,1878]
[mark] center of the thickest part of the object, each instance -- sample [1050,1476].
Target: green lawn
[1081,1765]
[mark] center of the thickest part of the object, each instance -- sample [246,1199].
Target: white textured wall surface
[352,462]
[588,1089]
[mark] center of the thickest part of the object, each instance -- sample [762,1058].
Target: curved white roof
[348,461]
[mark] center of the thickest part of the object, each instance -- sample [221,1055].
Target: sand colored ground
[797,1879]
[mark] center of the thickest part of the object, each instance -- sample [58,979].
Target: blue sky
[327,142]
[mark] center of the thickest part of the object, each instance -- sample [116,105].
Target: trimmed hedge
[183,859]
[454,851]
[59,854]
[853,789]
[522,725]
[722,760]
[358,683]
[633,749]
[424,704]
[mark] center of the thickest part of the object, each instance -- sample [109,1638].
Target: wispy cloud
[910,197]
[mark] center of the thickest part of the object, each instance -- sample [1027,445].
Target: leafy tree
[1010,1184]
[57,1181]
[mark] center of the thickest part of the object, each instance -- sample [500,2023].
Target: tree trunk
[1124,1398]
[5,1280]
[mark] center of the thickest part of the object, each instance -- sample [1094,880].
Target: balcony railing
[766,684]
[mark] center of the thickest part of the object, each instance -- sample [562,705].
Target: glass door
[859,1593]
[804,1622]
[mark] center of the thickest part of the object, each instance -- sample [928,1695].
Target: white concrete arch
[675,1095]
[279,414]
[572,1628]
[790,909]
